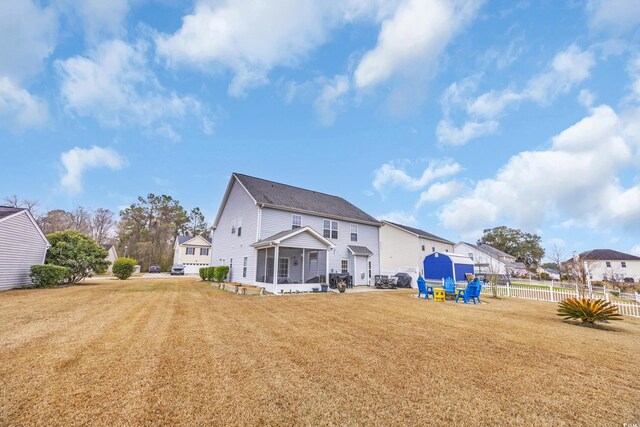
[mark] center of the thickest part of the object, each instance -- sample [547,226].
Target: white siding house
[286,238]
[112,255]
[194,252]
[22,244]
[403,248]
[489,260]
[611,265]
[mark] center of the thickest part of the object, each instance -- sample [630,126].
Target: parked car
[177,269]
[154,268]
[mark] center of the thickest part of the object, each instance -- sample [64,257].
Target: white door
[361,271]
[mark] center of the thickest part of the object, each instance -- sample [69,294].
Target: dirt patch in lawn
[166,352]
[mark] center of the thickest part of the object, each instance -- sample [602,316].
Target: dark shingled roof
[607,255]
[5,211]
[421,233]
[106,246]
[360,250]
[298,199]
[182,239]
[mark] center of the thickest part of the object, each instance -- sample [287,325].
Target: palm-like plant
[588,310]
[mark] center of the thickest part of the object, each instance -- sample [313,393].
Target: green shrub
[221,272]
[589,311]
[545,276]
[211,273]
[203,273]
[123,268]
[78,252]
[48,276]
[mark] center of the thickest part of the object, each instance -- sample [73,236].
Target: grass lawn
[179,351]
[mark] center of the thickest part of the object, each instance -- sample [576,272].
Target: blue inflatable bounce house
[438,266]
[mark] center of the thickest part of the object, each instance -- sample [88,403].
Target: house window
[623,264]
[296,221]
[423,248]
[245,261]
[330,229]
[191,251]
[239,225]
[471,255]
[283,267]
[446,250]
[344,266]
[370,270]
[204,251]
[609,264]
[230,265]
[354,232]
[433,248]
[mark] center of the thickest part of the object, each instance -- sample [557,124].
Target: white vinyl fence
[554,295]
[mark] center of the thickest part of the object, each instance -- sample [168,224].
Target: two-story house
[489,260]
[403,248]
[194,252]
[286,238]
[611,265]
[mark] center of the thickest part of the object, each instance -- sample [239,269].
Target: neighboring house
[403,248]
[489,260]
[194,252]
[286,238]
[112,255]
[22,244]
[611,265]
[555,275]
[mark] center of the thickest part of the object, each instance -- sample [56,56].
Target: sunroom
[292,260]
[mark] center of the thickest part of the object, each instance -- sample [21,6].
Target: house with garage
[194,252]
[611,265]
[112,255]
[286,238]
[22,244]
[489,260]
[403,248]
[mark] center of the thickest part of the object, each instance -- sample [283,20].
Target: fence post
[508,288]
[606,295]
[577,293]
[551,292]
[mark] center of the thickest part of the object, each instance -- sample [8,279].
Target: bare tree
[81,220]
[32,205]
[102,225]
[557,257]
[55,220]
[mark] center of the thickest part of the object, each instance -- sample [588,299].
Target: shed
[438,266]
[22,244]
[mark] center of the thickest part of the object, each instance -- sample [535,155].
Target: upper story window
[191,251]
[623,264]
[471,255]
[608,264]
[296,221]
[204,251]
[239,222]
[354,232]
[433,248]
[424,248]
[330,229]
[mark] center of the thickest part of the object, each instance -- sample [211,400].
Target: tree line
[145,230]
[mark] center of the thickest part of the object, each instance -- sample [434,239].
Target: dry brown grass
[178,351]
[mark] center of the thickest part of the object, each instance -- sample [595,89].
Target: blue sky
[453,116]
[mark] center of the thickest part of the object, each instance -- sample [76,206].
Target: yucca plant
[588,310]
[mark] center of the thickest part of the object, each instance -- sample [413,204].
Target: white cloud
[331,98]
[29,35]
[78,160]
[576,178]
[390,175]
[19,108]
[567,69]
[399,217]
[114,85]
[586,98]
[448,133]
[616,15]
[99,18]
[413,38]
[251,37]
[440,191]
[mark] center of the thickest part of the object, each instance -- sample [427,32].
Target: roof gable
[194,240]
[287,234]
[607,255]
[7,212]
[418,232]
[287,197]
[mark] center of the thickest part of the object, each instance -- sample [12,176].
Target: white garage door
[191,268]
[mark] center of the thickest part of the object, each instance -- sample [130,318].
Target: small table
[438,294]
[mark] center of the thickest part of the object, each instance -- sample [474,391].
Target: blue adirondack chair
[472,292]
[449,286]
[424,289]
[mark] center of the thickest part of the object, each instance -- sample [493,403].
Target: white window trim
[245,262]
[351,233]
[288,266]
[293,224]
[331,229]
[342,261]
[187,251]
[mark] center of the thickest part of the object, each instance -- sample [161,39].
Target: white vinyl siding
[21,246]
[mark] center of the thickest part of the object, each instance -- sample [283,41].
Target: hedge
[48,276]
[221,272]
[123,268]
